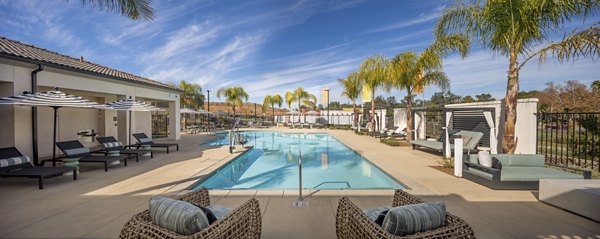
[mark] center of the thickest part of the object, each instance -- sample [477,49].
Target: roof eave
[67,68]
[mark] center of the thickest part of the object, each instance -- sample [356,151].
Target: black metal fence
[160,126]
[571,139]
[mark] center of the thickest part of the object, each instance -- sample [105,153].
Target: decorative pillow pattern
[496,163]
[14,161]
[410,219]
[178,216]
[218,210]
[77,151]
[484,158]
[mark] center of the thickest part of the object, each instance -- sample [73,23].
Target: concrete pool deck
[99,203]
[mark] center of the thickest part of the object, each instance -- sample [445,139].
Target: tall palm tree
[272,101]
[352,89]
[413,72]
[302,97]
[234,96]
[192,95]
[133,9]
[513,28]
[289,99]
[373,73]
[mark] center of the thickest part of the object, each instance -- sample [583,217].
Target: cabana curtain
[493,132]
[447,149]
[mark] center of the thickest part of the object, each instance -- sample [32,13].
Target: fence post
[458,154]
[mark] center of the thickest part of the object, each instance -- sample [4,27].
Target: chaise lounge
[15,164]
[74,149]
[469,145]
[242,222]
[111,144]
[518,171]
[144,140]
[351,222]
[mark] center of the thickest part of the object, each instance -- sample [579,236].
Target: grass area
[395,142]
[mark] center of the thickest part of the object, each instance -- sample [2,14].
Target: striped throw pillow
[14,161]
[218,210]
[410,219]
[112,145]
[77,151]
[177,216]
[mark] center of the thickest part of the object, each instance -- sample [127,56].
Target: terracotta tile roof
[15,49]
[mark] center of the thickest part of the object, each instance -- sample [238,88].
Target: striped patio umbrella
[54,99]
[130,105]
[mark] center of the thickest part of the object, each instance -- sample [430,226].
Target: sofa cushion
[526,160]
[496,163]
[481,173]
[177,216]
[373,213]
[410,219]
[209,214]
[218,210]
[485,159]
[512,173]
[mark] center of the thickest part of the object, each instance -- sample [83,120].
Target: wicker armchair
[351,222]
[242,222]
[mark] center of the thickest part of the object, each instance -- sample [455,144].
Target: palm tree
[272,101]
[234,96]
[302,97]
[352,89]
[133,9]
[413,72]
[192,95]
[513,28]
[289,98]
[373,73]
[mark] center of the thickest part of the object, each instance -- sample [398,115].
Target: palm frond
[133,9]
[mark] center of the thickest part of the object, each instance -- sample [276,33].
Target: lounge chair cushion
[177,216]
[209,214]
[218,210]
[112,145]
[14,161]
[523,173]
[145,140]
[76,151]
[373,213]
[466,139]
[410,219]
[485,159]
[429,144]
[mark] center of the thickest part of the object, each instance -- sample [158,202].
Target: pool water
[273,164]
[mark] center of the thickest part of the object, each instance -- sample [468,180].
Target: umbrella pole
[129,142]
[54,137]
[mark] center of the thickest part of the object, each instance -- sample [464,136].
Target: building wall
[15,121]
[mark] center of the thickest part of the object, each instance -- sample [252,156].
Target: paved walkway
[99,203]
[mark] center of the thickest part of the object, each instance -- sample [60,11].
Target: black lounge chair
[74,149]
[14,164]
[111,144]
[143,140]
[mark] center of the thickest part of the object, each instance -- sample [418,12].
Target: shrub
[391,142]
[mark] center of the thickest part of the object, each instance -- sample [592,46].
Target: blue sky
[268,47]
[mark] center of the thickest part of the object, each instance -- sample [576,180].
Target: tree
[595,85]
[572,96]
[302,97]
[133,9]
[513,28]
[352,88]
[413,72]
[234,96]
[192,96]
[272,101]
[484,97]
[468,99]
[372,72]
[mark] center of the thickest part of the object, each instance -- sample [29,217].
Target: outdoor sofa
[15,164]
[144,140]
[351,222]
[469,146]
[74,149]
[110,144]
[242,222]
[518,171]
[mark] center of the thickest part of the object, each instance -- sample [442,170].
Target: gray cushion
[112,145]
[218,210]
[373,213]
[145,140]
[512,173]
[410,219]
[77,151]
[14,161]
[177,216]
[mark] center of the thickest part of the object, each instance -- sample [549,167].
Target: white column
[174,118]
[448,150]
[458,154]
[123,125]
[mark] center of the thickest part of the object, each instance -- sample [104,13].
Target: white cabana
[130,105]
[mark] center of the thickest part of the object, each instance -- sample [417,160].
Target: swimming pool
[273,164]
